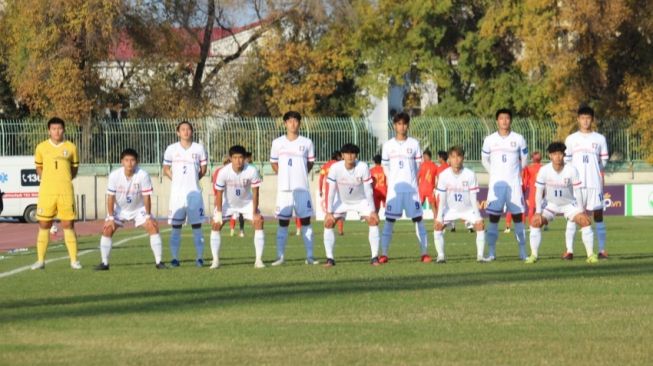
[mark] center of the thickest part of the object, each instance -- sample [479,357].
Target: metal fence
[100,145]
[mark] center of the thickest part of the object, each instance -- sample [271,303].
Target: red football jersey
[426,176]
[378,180]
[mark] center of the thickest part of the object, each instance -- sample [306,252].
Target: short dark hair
[350,148]
[556,146]
[292,114]
[586,110]
[458,150]
[129,152]
[336,155]
[237,149]
[443,155]
[187,123]
[56,121]
[503,111]
[377,159]
[401,116]
[427,152]
[248,154]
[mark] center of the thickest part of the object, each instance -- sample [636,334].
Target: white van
[20,186]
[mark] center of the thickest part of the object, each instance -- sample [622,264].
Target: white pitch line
[83,252]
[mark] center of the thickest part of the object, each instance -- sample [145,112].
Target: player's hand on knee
[373,219]
[537,220]
[438,225]
[479,225]
[329,221]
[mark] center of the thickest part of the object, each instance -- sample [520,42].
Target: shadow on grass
[174,300]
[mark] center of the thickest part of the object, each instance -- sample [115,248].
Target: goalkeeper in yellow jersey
[56,164]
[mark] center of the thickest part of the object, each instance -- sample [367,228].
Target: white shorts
[398,202]
[297,201]
[189,208]
[228,211]
[361,207]
[591,199]
[120,216]
[468,216]
[501,195]
[550,210]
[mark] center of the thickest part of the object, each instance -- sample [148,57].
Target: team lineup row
[570,184]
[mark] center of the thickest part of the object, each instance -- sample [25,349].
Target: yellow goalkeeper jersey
[57,162]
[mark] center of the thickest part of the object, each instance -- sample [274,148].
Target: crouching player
[237,193]
[129,192]
[350,189]
[560,184]
[457,189]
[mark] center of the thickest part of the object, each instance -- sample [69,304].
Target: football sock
[386,237]
[259,243]
[307,236]
[216,239]
[282,237]
[105,248]
[70,239]
[157,247]
[570,232]
[198,240]
[438,239]
[480,243]
[588,240]
[175,242]
[373,236]
[491,236]
[329,242]
[535,239]
[423,238]
[600,233]
[42,244]
[520,235]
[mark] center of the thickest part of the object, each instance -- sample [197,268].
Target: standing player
[323,185]
[292,157]
[184,162]
[237,187]
[504,155]
[378,183]
[588,152]
[457,190]
[529,176]
[401,159]
[426,178]
[350,189]
[56,164]
[560,184]
[129,193]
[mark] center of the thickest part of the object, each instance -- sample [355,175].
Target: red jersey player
[426,178]
[378,183]
[324,186]
[528,182]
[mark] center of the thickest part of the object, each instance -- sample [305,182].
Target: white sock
[329,242]
[480,243]
[198,240]
[216,240]
[570,232]
[175,242]
[307,236]
[259,244]
[374,238]
[105,248]
[520,235]
[535,239]
[600,233]
[588,240]
[386,237]
[438,239]
[282,238]
[157,247]
[491,236]
[423,238]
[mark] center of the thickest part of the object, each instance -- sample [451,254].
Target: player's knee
[517,218]
[216,226]
[66,224]
[305,221]
[108,232]
[284,223]
[258,223]
[536,222]
[438,226]
[417,219]
[329,224]
[372,221]
[479,226]
[582,220]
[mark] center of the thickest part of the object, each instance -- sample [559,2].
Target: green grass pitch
[405,312]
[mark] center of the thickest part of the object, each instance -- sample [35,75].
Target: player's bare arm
[275,168]
[167,171]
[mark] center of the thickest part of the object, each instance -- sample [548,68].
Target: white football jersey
[558,186]
[588,152]
[401,160]
[507,156]
[457,188]
[185,166]
[293,158]
[238,186]
[350,184]
[129,192]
